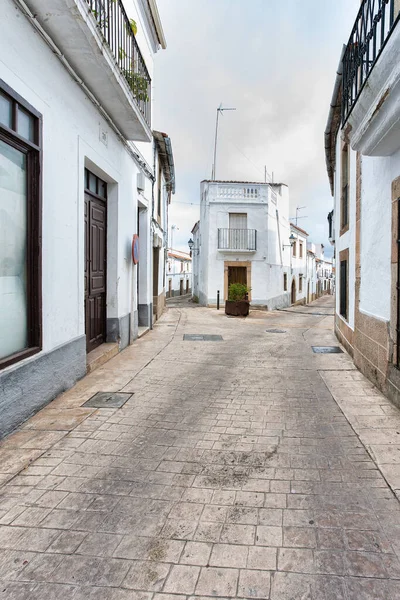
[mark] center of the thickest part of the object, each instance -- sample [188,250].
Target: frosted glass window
[5,111]
[13,243]
[26,126]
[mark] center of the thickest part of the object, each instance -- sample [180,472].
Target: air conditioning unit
[141,181]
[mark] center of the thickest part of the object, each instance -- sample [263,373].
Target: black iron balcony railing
[118,31]
[374,24]
[237,239]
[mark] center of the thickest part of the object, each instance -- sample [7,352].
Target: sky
[275,62]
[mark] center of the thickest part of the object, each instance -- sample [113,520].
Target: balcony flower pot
[238,304]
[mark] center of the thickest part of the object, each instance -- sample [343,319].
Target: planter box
[237,309]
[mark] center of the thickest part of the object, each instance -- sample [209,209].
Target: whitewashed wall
[71,141]
[347,240]
[376,218]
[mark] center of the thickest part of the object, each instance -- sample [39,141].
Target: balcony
[371,79]
[239,240]
[97,39]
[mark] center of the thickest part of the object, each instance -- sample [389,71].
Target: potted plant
[238,303]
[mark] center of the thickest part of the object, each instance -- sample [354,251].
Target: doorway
[293,295]
[308,293]
[95,260]
[156,263]
[187,286]
[181,287]
[237,275]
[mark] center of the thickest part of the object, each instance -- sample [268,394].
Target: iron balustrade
[237,239]
[374,24]
[117,30]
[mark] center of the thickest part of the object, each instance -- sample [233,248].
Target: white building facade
[298,279]
[76,184]
[362,146]
[243,237]
[178,274]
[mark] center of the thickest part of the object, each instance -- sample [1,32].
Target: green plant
[195,299]
[238,292]
[133,26]
[138,84]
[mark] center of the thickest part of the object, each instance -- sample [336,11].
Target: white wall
[299,265]
[71,139]
[347,240]
[376,219]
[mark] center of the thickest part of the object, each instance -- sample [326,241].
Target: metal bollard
[217,299]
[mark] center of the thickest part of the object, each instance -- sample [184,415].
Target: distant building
[178,273]
[362,147]
[243,237]
[298,277]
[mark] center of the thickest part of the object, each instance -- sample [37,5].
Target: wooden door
[293,292]
[237,275]
[95,271]
[181,287]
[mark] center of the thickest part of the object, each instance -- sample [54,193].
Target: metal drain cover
[275,331]
[202,337]
[327,349]
[108,400]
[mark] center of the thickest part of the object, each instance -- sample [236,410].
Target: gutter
[157,23]
[334,107]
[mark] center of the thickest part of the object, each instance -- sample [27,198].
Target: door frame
[293,288]
[236,263]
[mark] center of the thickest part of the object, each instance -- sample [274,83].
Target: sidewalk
[247,467]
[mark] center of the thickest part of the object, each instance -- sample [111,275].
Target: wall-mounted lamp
[192,247]
[292,240]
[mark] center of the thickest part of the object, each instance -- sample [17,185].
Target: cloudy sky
[275,62]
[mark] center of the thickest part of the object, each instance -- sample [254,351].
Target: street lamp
[190,244]
[292,240]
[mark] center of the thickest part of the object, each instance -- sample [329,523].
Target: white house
[179,273]
[298,279]
[362,147]
[243,237]
[76,184]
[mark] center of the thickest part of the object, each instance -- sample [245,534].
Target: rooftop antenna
[214,168]
[298,208]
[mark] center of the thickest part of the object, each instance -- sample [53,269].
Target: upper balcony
[239,240]
[371,79]
[97,39]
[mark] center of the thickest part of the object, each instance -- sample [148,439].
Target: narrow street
[238,467]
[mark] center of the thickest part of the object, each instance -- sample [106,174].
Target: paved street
[238,468]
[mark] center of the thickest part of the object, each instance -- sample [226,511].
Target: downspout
[279,236]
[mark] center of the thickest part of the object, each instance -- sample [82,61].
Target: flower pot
[237,309]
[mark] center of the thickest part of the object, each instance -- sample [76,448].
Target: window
[285,282]
[300,283]
[294,249]
[300,249]
[20,222]
[344,198]
[343,286]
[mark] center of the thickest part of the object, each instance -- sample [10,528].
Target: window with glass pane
[5,111]
[13,248]
[20,219]
[26,125]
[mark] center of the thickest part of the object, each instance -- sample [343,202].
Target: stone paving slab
[242,469]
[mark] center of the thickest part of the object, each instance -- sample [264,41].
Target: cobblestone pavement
[232,471]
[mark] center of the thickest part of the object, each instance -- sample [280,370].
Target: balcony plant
[238,304]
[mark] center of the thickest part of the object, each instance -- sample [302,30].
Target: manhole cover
[275,330]
[202,337]
[108,400]
[327,349]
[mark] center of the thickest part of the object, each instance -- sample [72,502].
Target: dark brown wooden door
[237,275]
[95,271]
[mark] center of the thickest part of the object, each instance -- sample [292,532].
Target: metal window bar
[115,26]
[374,24]
[237,239]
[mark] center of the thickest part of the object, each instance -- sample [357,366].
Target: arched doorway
[293,297]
